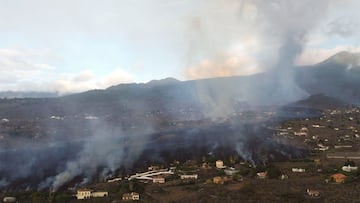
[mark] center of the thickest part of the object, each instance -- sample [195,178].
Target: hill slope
[337,77]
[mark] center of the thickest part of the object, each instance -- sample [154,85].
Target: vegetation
[350,163]
[273,172]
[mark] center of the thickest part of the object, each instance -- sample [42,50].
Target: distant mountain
[337,78]
[345,58]
[166,81]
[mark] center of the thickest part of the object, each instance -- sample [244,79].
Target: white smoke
[108,148]
[281,28]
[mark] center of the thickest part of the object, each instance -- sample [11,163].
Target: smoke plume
[280,29]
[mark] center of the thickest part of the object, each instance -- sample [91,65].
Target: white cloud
[23,60]
[114,78]
[31,70]
[84,80]
[84,76]
[18,65]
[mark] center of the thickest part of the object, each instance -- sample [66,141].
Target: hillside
[338,77]
[320,101]
[216,97]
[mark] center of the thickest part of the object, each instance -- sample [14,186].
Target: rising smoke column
[280,28]
[288,23]
[272,32]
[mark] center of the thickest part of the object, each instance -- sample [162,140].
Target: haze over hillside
[215,97]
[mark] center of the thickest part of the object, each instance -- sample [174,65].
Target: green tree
[273,172]
[350,162]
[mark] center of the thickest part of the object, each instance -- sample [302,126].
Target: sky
[75,45]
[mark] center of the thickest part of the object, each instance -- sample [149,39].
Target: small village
[327,173]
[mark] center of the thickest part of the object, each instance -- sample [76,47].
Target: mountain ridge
[214,96]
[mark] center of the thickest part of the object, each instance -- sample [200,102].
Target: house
[261,175]
[153,168]
[338,177]
[321,147]
[349,168]
[343,146]
[219,164]
[298,170]
[131,196]
[158,180]
[9,200]
[194,176]
[312,193]
[284,177]
[300,133]
[87,194]
[83,194]
[5,120]
[303,132]
[230,171]
[220,180]
[99,194]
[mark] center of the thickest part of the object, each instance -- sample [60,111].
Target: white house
[349,168]
[230,171]
[158,180]
[194,176]
[9,200]
[99,194]
[83,194]
[300,133]
[312,193]
[219,164]
[87,194]
[298,170]
[5,120]
[261,175]
[131,196]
